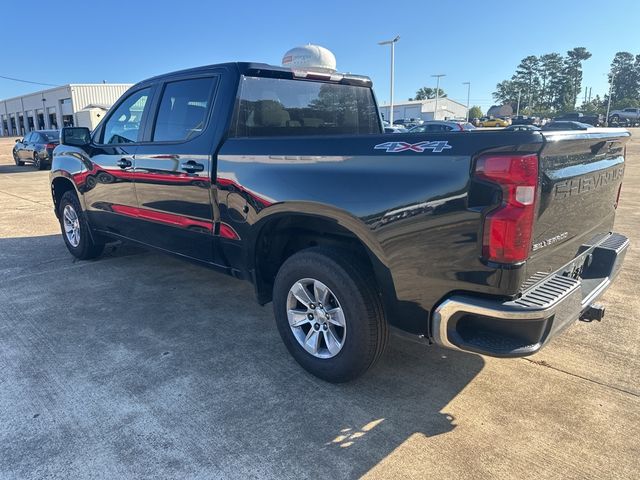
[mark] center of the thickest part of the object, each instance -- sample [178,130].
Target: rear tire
[357,345]
[75,229]
[37,161]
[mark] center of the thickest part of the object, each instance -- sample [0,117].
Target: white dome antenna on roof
[310,57]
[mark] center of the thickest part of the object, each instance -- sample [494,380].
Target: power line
[28,81]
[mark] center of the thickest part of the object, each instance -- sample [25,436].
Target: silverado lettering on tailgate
[587,183]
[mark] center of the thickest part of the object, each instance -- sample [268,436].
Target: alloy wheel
[316,318]
[71,224]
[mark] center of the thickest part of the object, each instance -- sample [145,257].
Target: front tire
[18,162]
[329,314]
[75,229]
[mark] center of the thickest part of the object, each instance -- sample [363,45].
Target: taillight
[508,229]
[50,146]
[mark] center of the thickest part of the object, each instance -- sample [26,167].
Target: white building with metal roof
[426,109]
[55,107]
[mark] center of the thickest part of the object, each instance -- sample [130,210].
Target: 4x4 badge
[395,147]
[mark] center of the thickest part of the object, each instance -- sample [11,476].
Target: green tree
[624,77]
[546,84]
[425,93]
[551,79]
[573,76]
[527,78]
[595,105]
[475,112]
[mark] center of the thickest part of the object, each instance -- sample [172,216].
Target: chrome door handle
[192,166]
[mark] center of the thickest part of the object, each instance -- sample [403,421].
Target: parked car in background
[388,128]
[626,116]
[408,122]
[566,125]
[442,126]
[524,120]
[594,120]
[36,148]
[522,128]
[494,122]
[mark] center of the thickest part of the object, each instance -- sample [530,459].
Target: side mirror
[75,136]
[19,140]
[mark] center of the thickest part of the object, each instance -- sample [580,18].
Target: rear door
[581,175]
[109,193]
[173,170]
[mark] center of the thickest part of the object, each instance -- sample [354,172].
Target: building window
[67,121]
[53,121]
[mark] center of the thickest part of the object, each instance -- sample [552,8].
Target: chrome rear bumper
[550,303]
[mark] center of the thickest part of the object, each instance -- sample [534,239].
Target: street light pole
[435,113]
[468,84]
[609,100]
[391,42]
[518,107]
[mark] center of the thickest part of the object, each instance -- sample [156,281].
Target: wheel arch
[61,182]
[286,231]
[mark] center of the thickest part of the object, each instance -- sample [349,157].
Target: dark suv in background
[36,148]
[596,119]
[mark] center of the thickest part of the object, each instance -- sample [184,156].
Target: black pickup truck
[483,241]
[594,119]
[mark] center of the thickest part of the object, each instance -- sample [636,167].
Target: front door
[23,146]
[173,171]
[108,184]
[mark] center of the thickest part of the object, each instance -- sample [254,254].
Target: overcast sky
[476,41]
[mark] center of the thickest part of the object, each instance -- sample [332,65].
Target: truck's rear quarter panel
[414,205]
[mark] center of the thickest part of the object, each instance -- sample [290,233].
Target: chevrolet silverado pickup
[481,241]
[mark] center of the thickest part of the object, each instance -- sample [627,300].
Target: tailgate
[581,173]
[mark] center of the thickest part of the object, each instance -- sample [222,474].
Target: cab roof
[265,70]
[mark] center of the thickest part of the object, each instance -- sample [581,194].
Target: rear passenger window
[183,109]
[273,106]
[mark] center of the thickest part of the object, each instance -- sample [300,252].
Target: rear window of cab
[283,107]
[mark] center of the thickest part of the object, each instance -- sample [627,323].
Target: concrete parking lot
[137,365]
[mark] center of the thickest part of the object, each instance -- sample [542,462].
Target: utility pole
[468,84]
[518,108]
[391,42]
[609,100]
[435,113]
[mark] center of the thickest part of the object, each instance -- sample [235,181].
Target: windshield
[274,106]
